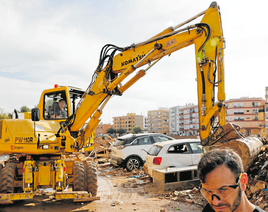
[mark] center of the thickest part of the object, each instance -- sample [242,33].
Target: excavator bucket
[229,137]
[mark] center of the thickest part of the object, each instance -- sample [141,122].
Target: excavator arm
[114,70]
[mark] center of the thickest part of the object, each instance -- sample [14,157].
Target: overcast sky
[49,42]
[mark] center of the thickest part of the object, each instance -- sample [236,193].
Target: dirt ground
[118,191]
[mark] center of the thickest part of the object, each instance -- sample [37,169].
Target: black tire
[7,178]
[78,176]
[91,178]
[133,163]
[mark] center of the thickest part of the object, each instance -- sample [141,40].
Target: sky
[49,42]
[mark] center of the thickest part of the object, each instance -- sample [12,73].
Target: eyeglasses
[222,192]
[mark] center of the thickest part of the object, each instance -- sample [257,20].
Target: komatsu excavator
[44,151]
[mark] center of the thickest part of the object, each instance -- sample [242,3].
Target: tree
[10,115]
[136,130]
[24,109]
[111,130]
[121,131]
[4,115]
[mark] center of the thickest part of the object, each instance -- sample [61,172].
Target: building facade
[158,121]
[244,112]
[264,128]
[128,122]
[102,129]
[188,120]
[145,129]
[174,124]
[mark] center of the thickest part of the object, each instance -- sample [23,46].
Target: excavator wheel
[8,176]
[78,176]
[91,178]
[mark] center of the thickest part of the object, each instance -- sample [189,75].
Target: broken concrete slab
[180,178]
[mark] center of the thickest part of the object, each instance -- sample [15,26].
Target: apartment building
[264,128]
[145,129]
[244,112]
[174,128]
[188,120]
[158,121]
[128,122]
[102,128]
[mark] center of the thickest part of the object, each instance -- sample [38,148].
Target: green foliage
[121,131]
[24,109]
[136,130]
[10,115]
[111,130]
[4,115]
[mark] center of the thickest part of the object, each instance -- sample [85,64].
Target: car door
[144,143]
[178,155]
[196,152]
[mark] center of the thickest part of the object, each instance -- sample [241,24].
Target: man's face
[61,104]
[215,181]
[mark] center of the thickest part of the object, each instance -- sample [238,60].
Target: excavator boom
[112,75]
[209,42]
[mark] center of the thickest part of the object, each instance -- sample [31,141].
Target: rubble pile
[103,143]
[257,189]
[191,196]
[102,146]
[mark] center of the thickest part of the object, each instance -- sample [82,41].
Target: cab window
[55,106]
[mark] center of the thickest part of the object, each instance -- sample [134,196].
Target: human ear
[243,181]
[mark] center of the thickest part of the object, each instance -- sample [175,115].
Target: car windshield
[161,138]
[154,150]
[121,142]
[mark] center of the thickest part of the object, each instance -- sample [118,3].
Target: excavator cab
[59,103]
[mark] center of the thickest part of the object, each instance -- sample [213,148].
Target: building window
[255,111]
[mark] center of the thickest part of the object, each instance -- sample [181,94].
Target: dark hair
[217,157]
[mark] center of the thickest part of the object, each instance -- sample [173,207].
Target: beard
[238,199]
[236,202]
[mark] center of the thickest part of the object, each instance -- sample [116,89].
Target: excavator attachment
[230,137]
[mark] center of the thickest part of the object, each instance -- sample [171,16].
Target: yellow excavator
[45,151]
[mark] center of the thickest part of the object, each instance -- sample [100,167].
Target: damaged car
[173,154]
[129,151]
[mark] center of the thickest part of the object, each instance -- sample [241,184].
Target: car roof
[139,135]
[176,141]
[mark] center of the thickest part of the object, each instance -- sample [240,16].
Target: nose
[215,200]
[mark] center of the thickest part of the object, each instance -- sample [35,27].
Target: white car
[129,151]
[170,154]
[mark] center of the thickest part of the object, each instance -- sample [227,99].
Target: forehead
[219,177]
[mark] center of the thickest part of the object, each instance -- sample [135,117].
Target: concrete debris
[257,189]
[117,203]
[29,205]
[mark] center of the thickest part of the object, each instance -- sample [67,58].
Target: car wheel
[133,163]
